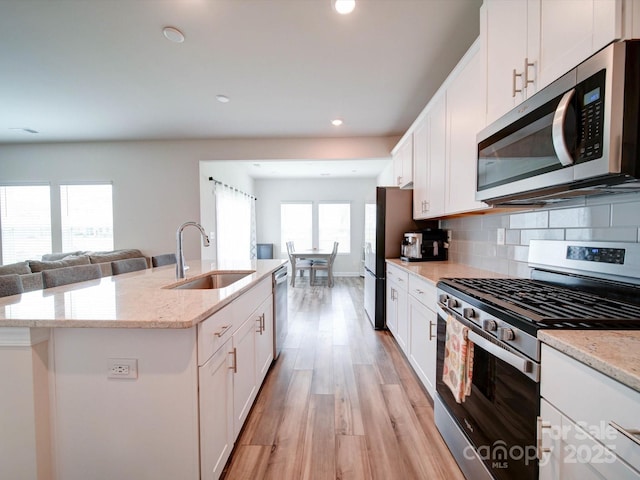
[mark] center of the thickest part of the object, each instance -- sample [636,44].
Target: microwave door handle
[557,133]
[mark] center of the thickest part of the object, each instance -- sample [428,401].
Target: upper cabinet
[403,162]
[530,43]
[465,118]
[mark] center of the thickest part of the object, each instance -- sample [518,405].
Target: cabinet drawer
[251,300]
[592,400]
[213,333]
[398,275]
[423,290]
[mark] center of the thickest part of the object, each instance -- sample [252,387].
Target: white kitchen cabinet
[579,413]
[422,342]
[564,44]
[421,167]
[402,155]
[510,30]
[216,412]
[531,43]
[397,321]
[245,386]
[429,140]
[465,118]
[264,338]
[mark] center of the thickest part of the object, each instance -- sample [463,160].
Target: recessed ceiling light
[336,122]
[26,130]
[222,98]
[325,174]
[173,34]
[343,7]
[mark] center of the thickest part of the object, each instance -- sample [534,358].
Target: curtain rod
[218,182]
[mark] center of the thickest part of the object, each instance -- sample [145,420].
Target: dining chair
[164,259]
[328,266]
[128,265]
[63,276]
[298,265]
[10,285]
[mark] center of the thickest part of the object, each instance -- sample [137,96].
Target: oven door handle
[522,364]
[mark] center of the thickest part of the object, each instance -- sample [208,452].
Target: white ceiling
[101,70]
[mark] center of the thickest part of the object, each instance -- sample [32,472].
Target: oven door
[498,419]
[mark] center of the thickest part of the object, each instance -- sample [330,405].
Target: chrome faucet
[180,265]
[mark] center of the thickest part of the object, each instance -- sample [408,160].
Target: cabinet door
[422,343]
[403,162]
[244,380]
[506,43]
[402,332]
[264,338]
[216,412]
[437,157]
[420,169]
[465,118]
[563,45]
[392,307]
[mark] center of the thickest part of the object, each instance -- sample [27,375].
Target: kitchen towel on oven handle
[457,373]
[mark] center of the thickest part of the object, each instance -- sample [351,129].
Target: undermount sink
[214,280]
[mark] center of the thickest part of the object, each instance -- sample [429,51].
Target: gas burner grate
[548,305]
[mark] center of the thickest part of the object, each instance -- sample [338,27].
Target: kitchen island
[102,379]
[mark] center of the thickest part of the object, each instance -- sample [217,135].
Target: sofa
[30,271]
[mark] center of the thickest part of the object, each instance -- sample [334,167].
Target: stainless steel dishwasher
[280,305]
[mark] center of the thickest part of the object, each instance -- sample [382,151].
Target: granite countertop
[134,300]
[615,353]
[434,271]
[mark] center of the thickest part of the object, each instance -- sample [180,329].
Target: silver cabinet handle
[431,325]
[557,133]
[514,89]
[526,81]
[222,331]
[259,320]
[540,425]
[631,434]
[418,291]
[234,355]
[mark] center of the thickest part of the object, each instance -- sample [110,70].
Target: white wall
[156,184]
[271,193]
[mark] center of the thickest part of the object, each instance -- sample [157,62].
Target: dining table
[309,254]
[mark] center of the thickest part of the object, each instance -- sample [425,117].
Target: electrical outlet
[122,368]
[500,236]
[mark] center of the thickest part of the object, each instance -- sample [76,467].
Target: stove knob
[469,313]
[452,303]
[489,325]
[506,334]
[443,299]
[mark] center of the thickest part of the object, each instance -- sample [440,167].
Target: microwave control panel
[590,99]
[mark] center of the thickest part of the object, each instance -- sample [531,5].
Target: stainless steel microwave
[578,136]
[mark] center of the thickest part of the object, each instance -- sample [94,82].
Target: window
[296,220]
[334,225]
[25,222]
[86,217]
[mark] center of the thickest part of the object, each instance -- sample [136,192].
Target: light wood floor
[341,402]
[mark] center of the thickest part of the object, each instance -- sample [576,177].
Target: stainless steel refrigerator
[386,222]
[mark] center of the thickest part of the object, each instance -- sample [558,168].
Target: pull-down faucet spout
[180,265]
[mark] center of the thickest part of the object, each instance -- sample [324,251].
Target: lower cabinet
[412,320]
[422,343]
[264,339]
[588,425]
[215,378]
[244,369]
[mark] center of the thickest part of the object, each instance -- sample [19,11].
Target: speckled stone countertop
[434,271]
[134,300]
[615,353]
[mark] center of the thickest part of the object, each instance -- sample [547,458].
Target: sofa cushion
[71,261]
[101,257]
[48,257]
[32,281]
[19,268]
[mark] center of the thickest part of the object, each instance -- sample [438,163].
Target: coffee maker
[425,245]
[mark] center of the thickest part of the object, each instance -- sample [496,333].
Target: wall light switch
[122,368]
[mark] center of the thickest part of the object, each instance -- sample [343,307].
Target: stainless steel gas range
[573,285]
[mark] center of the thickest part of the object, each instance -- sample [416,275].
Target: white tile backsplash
[612,218]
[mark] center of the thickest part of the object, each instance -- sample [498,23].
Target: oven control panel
[596,254]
